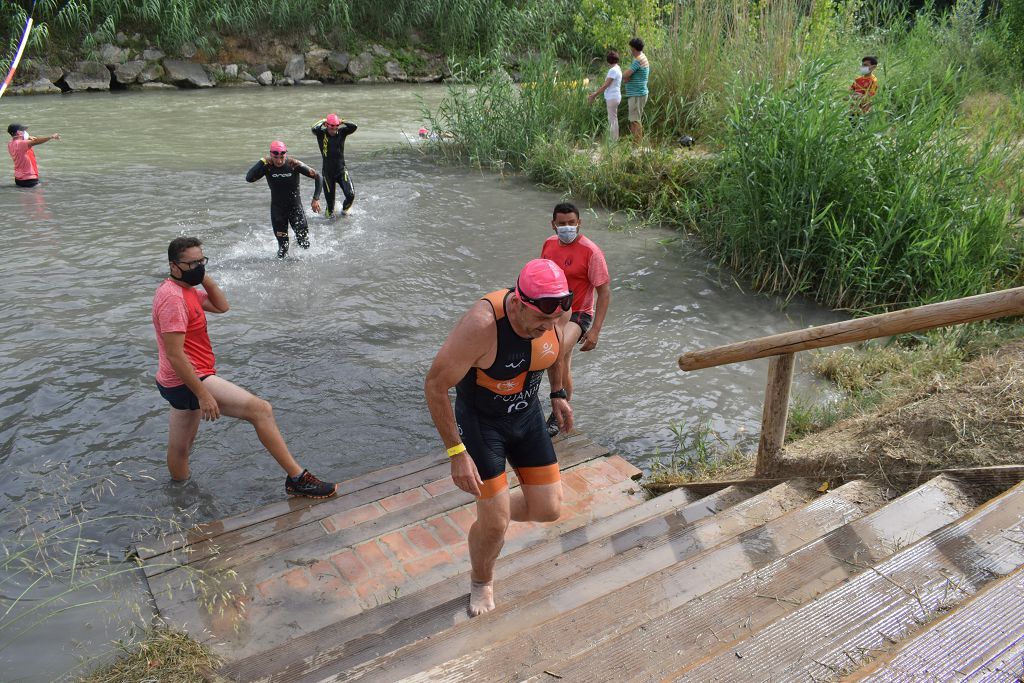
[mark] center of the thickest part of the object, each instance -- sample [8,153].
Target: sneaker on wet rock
[306,484]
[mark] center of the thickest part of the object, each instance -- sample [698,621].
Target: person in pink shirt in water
[26,171]
[587,272]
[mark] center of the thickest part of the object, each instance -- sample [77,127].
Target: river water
[338,338]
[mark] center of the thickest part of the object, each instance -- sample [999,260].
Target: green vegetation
[457,26]
[914,202]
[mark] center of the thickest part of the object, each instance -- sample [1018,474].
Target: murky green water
[337,338]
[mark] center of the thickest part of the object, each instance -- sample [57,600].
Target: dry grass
[165,656]
[971,420]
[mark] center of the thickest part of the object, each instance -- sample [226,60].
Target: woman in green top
[635,80]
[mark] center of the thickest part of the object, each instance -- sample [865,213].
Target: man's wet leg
[182,428]
[330,191]
[301,227]
[234,401]
[349,189]
[486,539]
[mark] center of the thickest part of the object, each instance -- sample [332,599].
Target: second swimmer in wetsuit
[330,140]
[282,176]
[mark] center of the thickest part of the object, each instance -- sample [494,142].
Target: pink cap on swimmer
[423,131]
[542,279]
[278,146]
[333,120]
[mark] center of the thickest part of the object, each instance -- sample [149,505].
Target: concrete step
[586,580]
[353,641]
[974,642]
[364,563]
[835,634]
[714,621]
[595,607]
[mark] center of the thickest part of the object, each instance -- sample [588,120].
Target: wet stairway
[755,582]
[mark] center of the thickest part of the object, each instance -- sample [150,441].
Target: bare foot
[481,598]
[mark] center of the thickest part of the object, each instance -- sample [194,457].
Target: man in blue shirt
[635,80]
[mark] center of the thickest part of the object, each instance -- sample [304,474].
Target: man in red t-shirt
[187,379]
[26,171]
[587,271]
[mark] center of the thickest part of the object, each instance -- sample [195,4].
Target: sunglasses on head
[278,154]
[548,304]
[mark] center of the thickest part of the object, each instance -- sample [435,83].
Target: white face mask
[566,233]
[865,70]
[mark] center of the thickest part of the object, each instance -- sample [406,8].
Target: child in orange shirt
[864,86]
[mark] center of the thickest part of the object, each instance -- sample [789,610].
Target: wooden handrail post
[776,411]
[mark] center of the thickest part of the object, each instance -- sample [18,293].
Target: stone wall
[121,67]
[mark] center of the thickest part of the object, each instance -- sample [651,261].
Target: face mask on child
[864,71]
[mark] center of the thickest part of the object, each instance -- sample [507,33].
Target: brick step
[833,635]
[298,520]
[587,574]
[366,563]
[348,524]
[979,641]
[713,621]
[596,606]
[371,633]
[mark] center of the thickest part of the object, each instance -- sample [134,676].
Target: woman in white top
[612,90]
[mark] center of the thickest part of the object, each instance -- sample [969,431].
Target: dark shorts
[32,182]
[584,320]
[521,440]
[180,397]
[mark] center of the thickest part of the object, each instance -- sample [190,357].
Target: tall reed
[893,208]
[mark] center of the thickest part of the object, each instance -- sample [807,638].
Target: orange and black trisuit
[498,412]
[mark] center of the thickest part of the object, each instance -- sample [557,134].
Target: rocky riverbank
[134,65]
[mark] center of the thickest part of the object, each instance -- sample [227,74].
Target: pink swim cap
[333,120]
[423,131]
[542,279]
[278,146]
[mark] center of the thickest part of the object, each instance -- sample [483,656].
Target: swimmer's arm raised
[257,171]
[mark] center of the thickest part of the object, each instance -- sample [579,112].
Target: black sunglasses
[548,304]
[278,154]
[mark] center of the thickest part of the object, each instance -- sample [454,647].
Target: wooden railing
[782,347]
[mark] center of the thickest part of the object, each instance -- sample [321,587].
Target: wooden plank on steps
[830,636]
[582,577]
[297,511]
[352,641]
[583,615]
[257,562]
[273,626]
[964,643]
[208,530]
[1003,476]
[713,621]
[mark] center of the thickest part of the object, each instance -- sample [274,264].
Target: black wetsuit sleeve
[309,173]
[256,172]
[348,128]
[318,127]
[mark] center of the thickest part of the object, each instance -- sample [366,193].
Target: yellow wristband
[456,449]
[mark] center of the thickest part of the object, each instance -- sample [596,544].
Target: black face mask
[192,277]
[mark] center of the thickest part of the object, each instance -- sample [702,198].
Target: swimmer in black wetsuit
[330,140]
[282,176]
